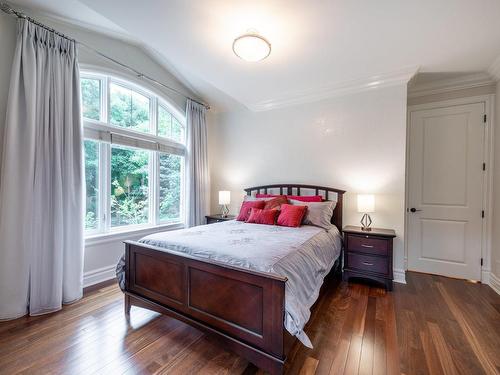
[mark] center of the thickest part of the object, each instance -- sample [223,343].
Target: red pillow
[259,216]
[246,207]
[275,202]
[302,198]
[291,216]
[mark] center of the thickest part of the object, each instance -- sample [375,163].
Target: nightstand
[368,254]
[218,218]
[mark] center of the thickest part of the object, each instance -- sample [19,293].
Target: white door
[446,190]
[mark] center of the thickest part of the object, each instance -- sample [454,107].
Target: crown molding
[494,69]
[468,81]
[399,77]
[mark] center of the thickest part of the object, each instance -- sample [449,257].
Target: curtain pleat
[41,191]
[197,164]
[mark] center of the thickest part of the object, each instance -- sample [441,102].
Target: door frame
[488,158]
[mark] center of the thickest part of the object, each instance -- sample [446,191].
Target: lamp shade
[224,197]
[366,203]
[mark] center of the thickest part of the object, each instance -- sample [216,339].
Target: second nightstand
[218,218]
[368,254]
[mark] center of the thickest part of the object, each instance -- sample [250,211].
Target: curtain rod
[6,8]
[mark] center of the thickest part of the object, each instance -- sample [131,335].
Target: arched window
[134,156]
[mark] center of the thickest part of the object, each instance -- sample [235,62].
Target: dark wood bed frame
[244,309]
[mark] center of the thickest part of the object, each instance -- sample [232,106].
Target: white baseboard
[485,277]
[494,283]
[399,276]
[99,275]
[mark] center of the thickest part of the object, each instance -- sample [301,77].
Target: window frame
[102,131]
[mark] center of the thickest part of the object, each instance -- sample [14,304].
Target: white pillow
[318,213]
[250,198]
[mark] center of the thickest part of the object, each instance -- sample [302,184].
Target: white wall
[356,143]
[100,257]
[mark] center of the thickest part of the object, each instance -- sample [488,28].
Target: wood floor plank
[432,325]
[309,367]
[442,350]
[484,359]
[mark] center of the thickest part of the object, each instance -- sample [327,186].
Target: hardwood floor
[432,325]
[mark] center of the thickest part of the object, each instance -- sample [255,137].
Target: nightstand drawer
[367,263]
[367,245]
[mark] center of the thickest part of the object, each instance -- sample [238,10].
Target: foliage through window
[170,178]
[91,184]
[134,156]
[129,186]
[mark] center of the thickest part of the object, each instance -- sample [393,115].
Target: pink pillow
[302,198]
[259,216]
[246,208]
[291,216]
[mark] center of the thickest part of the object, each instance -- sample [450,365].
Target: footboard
[244,307]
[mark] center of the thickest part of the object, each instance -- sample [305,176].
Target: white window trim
[102,131]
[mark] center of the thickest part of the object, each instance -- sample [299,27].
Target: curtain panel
[197,164]
[42,176]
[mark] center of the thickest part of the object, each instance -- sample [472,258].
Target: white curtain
[41,189]
[197,164]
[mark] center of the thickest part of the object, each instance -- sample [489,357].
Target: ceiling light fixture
[251,47]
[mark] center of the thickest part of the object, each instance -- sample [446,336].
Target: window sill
[126,234]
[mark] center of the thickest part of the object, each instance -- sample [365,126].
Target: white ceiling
[317,46]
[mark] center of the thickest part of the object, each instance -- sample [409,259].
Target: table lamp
[366,204]
[224,200]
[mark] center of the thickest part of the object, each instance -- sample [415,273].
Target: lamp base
[366,221]
[224,210]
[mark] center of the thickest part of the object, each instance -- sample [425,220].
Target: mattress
[305,255]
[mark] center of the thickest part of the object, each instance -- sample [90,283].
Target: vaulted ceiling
[318,47]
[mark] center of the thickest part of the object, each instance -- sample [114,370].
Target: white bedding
[305,255]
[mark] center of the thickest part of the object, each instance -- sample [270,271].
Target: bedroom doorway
[445,190]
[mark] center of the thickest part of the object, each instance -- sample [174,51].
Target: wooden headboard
[329,194]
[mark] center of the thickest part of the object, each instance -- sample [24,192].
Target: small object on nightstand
[224,200]
[366,205]
[218,218]
[368,254]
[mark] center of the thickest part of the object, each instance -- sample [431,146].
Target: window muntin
[137,179]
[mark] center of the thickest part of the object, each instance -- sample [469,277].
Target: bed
[250,285]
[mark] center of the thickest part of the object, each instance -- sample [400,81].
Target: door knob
[413,209]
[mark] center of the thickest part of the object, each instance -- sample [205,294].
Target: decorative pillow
[246,208]
[259,216]
[318,213]
[302,198]
[291,216]
[275,202]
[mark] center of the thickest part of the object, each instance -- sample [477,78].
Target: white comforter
[305,255]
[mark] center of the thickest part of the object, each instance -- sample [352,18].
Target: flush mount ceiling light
[251,47]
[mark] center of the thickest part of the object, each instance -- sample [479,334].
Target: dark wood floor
[431,325]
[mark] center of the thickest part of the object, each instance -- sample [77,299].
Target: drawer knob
[368,264]
[368,246]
